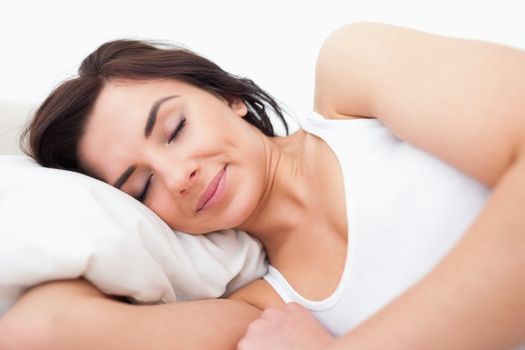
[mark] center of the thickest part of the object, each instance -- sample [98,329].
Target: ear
[238,106]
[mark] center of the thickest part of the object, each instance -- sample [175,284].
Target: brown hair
[52,136]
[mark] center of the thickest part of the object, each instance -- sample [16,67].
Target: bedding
[13,117]
[57,224]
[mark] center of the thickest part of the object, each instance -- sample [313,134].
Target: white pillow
[57,224]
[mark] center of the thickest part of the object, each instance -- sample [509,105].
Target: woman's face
[187,154]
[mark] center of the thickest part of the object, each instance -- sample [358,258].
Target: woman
[182,146]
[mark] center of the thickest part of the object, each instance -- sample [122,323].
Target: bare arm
[462,101]
[75,315]
[475,299]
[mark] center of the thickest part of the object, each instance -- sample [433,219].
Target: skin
[214,136]
[74,315]
[462,101]
[293,198]
[280,323]
[272,184]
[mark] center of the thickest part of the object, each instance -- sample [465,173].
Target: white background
[275,43]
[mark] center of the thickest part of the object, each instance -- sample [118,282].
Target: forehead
[124,95]
[115,127]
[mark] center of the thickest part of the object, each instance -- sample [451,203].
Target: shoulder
[439,93]
[334,76]
[354,61]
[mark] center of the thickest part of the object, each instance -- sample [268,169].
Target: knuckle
[254,327]
[243,344]
[270,313]
[294,307]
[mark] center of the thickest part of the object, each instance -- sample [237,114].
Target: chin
[242,210]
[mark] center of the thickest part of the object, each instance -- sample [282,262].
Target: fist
[291,327]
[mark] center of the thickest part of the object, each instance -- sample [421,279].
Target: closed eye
[142,197]
[178,129]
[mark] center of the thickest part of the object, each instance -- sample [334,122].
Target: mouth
[214,192]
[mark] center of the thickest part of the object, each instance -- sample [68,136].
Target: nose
[178,175]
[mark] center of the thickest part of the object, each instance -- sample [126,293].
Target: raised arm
[463,101]
[475,299]
[75,315]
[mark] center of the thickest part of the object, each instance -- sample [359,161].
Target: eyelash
[178,129]
[144,193]
[147,186]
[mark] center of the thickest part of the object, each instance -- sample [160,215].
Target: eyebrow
[124,177]
[150,124]
[152,118]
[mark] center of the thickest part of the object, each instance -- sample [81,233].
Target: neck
[284,202]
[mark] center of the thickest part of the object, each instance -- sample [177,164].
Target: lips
[214,191]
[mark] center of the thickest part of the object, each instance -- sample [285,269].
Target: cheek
[163,205]
[247,187]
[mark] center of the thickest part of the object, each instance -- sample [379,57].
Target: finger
[271,313]
[295,307]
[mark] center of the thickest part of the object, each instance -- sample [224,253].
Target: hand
[289,328]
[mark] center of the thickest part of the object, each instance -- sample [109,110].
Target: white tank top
[405,209]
